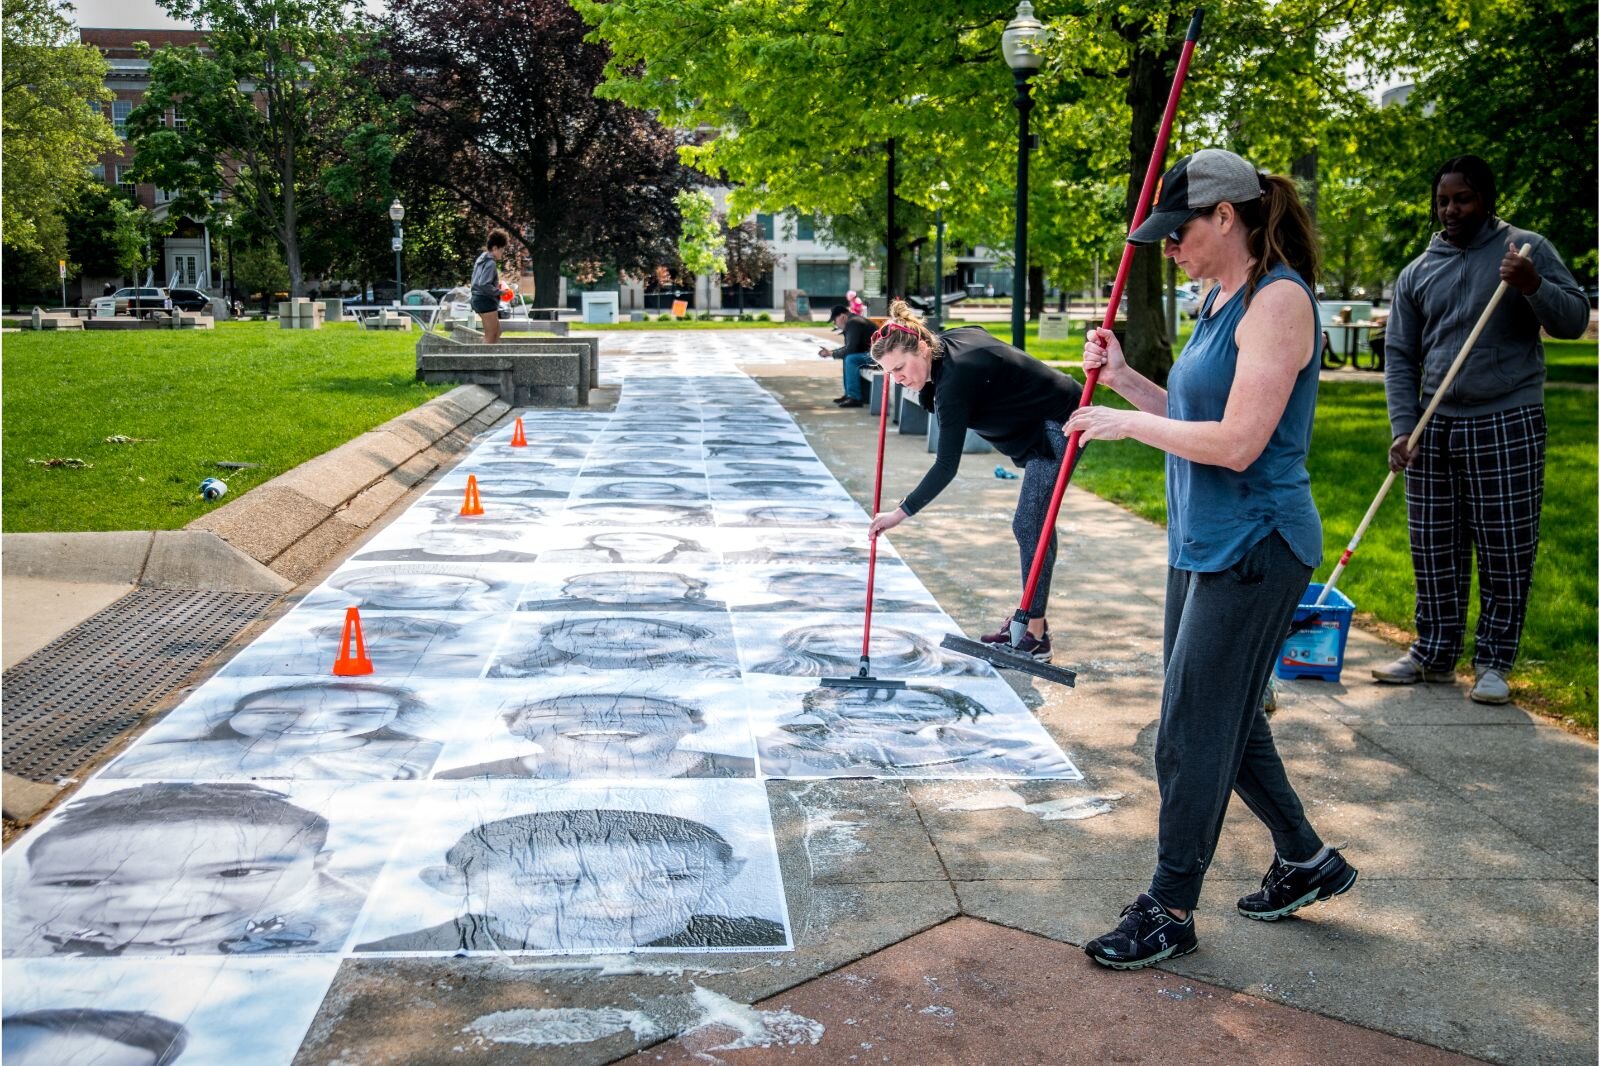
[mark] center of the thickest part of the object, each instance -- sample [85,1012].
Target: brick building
[187,256]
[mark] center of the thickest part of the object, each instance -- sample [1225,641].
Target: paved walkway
[934,921]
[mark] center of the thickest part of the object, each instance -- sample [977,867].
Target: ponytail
[1280,231]
[904,330]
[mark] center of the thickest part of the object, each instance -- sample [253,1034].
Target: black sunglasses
[1176,236]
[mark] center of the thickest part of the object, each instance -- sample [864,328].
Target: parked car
[138,302]
[189,299]
[1189,299]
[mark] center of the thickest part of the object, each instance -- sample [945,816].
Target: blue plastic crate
[1317,637]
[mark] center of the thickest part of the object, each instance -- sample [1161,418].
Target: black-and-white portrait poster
[296,728]
[160,1012]
[574,644]
[165,868]
[459,545]
[811,588]
[505,867]
[401,644]
[759,546]
[829,645]
[419,587]
[933,728]
[632,547]
[621,728]
[503,481]
[837,514]
[621,588]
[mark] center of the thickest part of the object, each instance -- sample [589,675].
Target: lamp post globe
[397,210]
[1022,44]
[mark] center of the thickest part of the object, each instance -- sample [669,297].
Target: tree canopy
[271,107]
[806,95]
[52,129]
[498,110]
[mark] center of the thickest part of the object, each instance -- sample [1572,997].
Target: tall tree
[49,137]
[500,112]
[701,245]
[749,258]
[266,108]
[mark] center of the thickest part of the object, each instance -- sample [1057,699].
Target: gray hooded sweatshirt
[1437,301]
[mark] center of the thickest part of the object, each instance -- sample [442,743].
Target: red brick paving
[969,992]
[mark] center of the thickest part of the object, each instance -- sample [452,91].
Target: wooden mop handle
[1416,434]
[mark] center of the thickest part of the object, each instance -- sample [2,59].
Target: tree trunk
[546,277]
[291,227]
[1035,292]
[894,276]
[1150,77]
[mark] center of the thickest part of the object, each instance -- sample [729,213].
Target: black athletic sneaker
[1002,633]
[1146,935]
[853,403]
[1038,647]
[1285,889]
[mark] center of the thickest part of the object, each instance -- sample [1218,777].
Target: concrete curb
[167,559]
[294,523]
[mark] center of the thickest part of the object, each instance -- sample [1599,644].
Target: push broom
[1416,434]
[1007,655]
[863,677]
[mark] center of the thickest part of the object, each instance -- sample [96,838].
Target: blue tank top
[1215,515]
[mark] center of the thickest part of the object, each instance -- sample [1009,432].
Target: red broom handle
[877,502]
[1152,174]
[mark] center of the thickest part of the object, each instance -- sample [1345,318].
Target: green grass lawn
[1570,361]
[245,392]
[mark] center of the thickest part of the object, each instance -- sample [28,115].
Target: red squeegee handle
[1152,175]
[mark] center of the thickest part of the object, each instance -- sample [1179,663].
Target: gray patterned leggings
[1038,482]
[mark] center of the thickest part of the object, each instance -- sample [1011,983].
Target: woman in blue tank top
[1243,536]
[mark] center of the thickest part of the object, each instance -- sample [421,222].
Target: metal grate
[68,701]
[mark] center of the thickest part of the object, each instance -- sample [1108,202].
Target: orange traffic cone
[348,665]
[472,505]
[519,439]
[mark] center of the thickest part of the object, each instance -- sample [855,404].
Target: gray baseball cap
[1195,182]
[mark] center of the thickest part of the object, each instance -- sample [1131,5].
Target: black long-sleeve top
[857,336]
[1004,395]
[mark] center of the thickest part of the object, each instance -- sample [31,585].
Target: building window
[120,110]
[125,180]
[98,172]
[805,228]
[178,121]
[764,226]
[162,195]
[823,279]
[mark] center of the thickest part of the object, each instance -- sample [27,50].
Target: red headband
[887,326]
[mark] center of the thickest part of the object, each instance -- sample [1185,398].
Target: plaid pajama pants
[1478,481]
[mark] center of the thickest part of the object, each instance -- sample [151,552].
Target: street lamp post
[397,214]
[227,231]
[1022,44]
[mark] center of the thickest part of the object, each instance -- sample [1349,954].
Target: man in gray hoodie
[1476,477]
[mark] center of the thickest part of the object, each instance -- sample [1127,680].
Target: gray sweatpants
[1033,503]
[1223,632]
